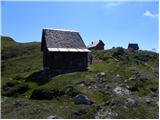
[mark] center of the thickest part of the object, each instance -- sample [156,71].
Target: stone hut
[98,45]
[133,46]
[63,50]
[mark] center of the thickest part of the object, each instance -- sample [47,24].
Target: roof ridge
[66,30]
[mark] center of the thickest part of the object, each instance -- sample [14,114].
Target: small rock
[131,102]
[95,86]
[133,69]
[121,91]
[89,87]
[127,86]
[132,78]
[125,107]
[148,100]
[82,85]
[117,75]
[101,75]
[105,113]
[125,81]
[81,99]
[117,78]
[52,117]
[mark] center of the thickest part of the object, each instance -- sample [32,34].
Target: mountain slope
[121,83]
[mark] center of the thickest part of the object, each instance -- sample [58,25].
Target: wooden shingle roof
[63,40]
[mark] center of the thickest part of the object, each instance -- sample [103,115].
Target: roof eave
[68,50]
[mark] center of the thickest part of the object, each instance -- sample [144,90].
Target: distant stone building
[98,45]
[133,46]
[63,50]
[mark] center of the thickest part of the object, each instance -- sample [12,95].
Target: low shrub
[9,84]
[15,90]
[46,94]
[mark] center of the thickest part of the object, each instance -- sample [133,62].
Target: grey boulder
[82,99]
[131,102]
[121,91]
[52,117]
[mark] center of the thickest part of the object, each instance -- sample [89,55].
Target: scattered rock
[125,107]
[125,81]
[132,78]
[148,100]
[131,102]
[106,113]
[81,83]
[121,91]
[151,102]
[117,75]
[117,78]
[110,102]
[90,83]
[101,75]
[133,69]
[93,87]
[89,87]
[52,117]
[81,99]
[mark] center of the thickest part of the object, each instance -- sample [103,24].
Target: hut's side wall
[67,61]
[46,60]
[98,47]
[135,47]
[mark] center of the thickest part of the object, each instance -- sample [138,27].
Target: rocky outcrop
[121,91]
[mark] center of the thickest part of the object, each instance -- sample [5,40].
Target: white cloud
[112,4]
[149,14]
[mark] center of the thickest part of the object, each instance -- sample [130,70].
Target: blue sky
[116,23]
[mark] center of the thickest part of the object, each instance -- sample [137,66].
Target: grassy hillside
[121,83]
